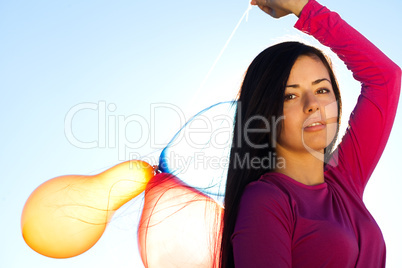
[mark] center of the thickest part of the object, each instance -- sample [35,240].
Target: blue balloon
[198,153]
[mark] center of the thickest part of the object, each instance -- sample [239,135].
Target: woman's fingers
[280,8]
[260,3]
[274,8]
[267,10]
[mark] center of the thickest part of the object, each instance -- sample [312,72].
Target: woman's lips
[315,126]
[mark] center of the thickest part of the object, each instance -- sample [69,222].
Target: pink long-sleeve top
[284,223]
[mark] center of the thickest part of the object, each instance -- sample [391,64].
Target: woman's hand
[280,8]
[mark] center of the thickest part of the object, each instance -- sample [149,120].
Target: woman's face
[310,109]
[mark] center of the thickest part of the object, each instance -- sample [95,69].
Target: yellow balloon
[67,215]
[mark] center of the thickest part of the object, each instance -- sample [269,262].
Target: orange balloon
[179,226]
[67,215]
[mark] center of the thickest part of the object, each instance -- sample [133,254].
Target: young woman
[307,210]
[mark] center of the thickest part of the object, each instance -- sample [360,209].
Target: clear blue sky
[127,55]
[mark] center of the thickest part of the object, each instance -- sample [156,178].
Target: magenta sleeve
[263,230]
[371,121]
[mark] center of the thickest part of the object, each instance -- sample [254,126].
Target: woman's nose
[311,104]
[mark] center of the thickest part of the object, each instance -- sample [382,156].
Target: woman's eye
[323,91]
[289,96]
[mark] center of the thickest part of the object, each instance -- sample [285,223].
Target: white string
[248,10]
[245,14]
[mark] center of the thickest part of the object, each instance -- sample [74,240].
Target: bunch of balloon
[66,216]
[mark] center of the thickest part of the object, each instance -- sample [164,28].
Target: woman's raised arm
[372,119]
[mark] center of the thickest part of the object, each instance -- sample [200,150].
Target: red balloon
[179,226]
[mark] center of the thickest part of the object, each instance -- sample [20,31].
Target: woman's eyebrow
[313,83]
[320,80]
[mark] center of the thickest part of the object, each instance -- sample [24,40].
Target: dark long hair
[261,96]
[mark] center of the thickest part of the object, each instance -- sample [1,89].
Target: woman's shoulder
[264,200]
[266,190]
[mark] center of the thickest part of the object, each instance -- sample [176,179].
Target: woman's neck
[301,166]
